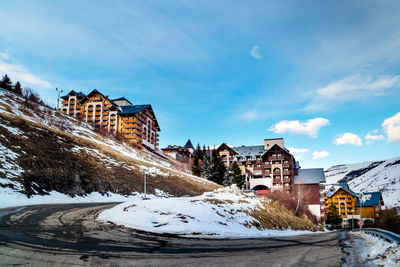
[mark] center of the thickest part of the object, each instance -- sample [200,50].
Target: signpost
[360,223]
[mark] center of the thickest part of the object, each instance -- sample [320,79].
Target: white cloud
[250,115]
[391,126]
[351,89]
[348,138]
[297,150]
[371,138]
[320,154]
[255,52]
[311,127]
[20,73]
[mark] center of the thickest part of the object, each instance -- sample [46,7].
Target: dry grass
[217,202]
[272,215]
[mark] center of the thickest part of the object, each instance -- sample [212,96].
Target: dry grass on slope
[51,161]
[272,215]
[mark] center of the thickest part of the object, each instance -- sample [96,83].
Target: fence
[383,234]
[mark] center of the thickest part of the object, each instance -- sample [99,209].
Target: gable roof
[370,199]
[310,176]
[136,109]
[335,188]
[225,146]
[188,144]
[284,150]
[94,92]
[72,92]
[122,98]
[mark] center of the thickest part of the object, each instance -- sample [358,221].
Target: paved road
[68,234]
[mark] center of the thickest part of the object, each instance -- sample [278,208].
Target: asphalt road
[68,234]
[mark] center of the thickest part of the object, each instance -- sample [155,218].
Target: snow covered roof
[370,199]
[250,151]
[310,176]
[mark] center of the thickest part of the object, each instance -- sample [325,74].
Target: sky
[324,75]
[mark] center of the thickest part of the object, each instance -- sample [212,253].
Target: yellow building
[347,204]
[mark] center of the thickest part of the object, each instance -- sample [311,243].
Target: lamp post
[58,97]
[144,186]
[360,197]
[352,220]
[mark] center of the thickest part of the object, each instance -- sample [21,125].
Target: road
[69,235]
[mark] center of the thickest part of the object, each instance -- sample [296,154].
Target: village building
[136,124]
[179,153]
[308,183]
[347,204]
[268,166]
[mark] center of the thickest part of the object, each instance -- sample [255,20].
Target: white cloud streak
[371,138]
[20,73]
[255,52]
[297,150]
[320,154]
[348,138]
[349,89]
[391,126]
[310,127]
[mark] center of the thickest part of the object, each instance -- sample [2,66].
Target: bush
[389,220]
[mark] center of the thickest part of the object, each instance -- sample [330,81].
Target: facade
[308,183]
[182,154]
[268,166]
[347,203]
[136,124]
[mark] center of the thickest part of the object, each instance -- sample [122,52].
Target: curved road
[68,234]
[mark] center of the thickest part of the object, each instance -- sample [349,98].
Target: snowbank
[379,252]
[221,214]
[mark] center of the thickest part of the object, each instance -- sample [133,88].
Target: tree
[18,88]
[207,168]
[197,161]
[218,169]
[235,174]
[333,217]
[6,83]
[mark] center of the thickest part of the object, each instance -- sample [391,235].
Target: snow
[379,252]
[7,163]
[11,198]
[384,176]
[14,131]
[219,214]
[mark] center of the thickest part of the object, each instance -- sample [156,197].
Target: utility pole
[352,220]
[58,97]
[360,196]
[144,186]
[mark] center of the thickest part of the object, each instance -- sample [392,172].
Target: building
[136,124]
[308,184]
[347,204]
[182,154]
[268,166]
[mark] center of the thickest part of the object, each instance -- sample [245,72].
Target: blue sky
[324,75]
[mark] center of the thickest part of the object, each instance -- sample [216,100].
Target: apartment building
[136,124]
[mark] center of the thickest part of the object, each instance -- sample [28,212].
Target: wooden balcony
[286,180]
[286,172]
[286,165]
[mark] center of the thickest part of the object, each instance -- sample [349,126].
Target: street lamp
[58,98]
[360,197]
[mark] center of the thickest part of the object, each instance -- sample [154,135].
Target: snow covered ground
[224,213]
[382,176]
[376,251]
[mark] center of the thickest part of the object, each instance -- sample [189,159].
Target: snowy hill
[383,176]
[47,153]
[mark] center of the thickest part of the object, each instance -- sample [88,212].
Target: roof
[188,144]
[310,176]
[134,109]
[249,151]
[336,188]
[122,99]
[370,199]
[72,92]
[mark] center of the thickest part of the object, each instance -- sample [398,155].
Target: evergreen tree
[6,83]
[18,88]
[236,175]
[197,161]
[207,164]
[333,217]
[218,169]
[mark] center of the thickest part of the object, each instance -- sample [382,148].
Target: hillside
[42,151]
[383,176]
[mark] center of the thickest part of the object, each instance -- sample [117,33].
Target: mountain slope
[383,176]
[42,151]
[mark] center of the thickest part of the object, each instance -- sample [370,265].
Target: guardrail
[383,234]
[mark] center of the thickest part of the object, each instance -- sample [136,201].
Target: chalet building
[347,204]
[308,182]
[268,166]
[182,154]
[136,124]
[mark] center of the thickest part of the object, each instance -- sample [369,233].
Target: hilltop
[382,176]
[43,151]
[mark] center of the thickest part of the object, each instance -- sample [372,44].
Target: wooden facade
[136,124]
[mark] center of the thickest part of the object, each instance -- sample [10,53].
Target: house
[347,204]
[182,154]
[268,166]
[136,124]
[308,183]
